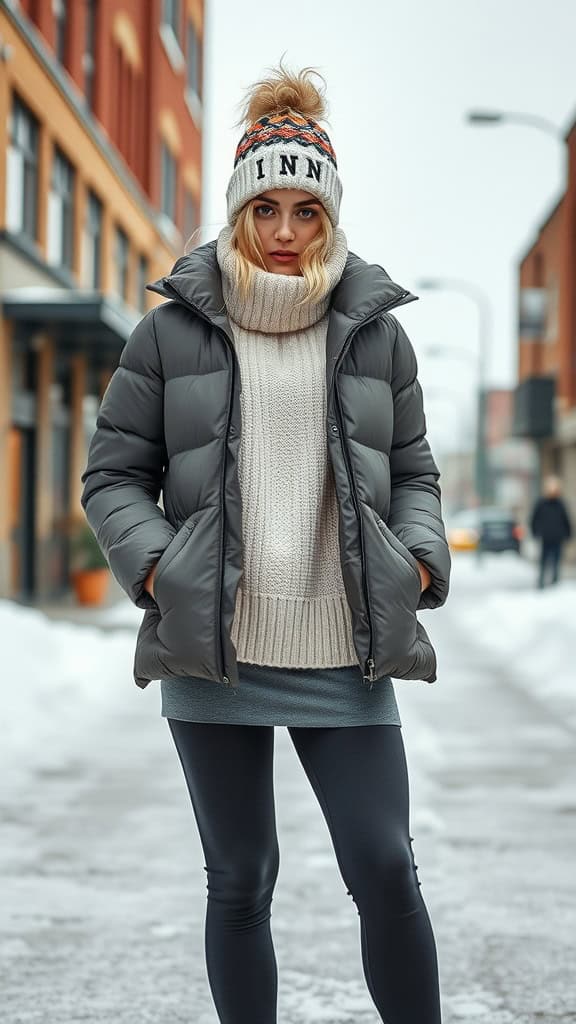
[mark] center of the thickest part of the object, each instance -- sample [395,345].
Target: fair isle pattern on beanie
[284,151]
[268,130]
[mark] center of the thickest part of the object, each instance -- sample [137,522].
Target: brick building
[545,407]
[100,140]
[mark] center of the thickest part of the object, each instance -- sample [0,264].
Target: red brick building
[100,147]
[546,394]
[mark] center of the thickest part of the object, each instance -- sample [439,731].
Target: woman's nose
[284,232]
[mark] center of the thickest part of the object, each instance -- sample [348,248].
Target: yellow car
[463,538]
[487,529]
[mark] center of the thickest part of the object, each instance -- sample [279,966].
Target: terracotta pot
[90,585]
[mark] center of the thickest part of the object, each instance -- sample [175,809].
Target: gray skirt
[267,695]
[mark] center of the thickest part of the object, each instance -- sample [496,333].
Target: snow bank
[60,683]
[531,631]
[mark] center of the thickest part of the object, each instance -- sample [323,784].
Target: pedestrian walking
[550,524]
[273,402]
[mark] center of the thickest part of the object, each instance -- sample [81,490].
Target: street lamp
[512,117]
[482,302]
[492,117]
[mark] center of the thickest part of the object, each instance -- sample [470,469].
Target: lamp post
[542,124]
[453,352]
[458,480]
[482,302]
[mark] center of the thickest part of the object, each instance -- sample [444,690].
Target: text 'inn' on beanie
[287,150]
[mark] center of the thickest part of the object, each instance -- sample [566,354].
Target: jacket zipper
[369,671]
[225,679]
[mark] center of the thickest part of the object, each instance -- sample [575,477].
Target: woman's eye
[261,210]
[309,214]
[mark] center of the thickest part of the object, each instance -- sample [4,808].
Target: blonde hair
[250,255]
[284,92]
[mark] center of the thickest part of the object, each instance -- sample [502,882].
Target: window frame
[61,29]
[92,238]
[170,31]
[168,182]
[122,262]
[89,55]
[63,192]
[24,149]
[142,271]
[194,82]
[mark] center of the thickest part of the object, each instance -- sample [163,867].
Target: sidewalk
[103,869]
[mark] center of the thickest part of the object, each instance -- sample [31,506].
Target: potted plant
[90,573]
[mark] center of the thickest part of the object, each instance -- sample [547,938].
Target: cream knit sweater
[291,607]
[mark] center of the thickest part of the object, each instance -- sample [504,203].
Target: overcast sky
[424,192]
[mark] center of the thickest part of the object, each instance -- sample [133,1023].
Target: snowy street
[102,870]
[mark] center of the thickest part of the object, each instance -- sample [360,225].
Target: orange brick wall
[130,94]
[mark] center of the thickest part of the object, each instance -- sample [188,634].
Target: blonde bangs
[250,255]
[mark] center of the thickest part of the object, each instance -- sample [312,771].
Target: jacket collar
[363,290]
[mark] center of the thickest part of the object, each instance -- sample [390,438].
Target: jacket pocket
[154,658]
[400,549]
[188,593]
[402,647]
[170,552]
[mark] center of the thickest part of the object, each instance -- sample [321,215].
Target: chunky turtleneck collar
[270,307]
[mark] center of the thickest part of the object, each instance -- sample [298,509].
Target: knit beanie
[285,147]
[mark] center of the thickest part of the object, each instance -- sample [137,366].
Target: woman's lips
[284,257]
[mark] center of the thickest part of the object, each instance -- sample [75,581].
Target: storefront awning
[78,320]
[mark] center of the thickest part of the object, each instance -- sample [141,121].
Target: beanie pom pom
[282,93]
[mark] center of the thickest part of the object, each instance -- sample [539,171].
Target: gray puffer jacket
[169,424]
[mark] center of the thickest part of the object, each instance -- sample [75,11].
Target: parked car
[485,529]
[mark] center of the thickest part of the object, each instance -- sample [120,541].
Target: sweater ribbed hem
[293,632]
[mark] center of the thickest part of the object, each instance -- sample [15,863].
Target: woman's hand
[149,581]
[425,576]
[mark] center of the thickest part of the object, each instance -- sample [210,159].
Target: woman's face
[286,220]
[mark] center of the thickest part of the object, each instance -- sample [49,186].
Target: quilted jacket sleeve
[126,458]
[415,509]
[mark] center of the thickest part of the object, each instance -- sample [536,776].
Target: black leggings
[359,776]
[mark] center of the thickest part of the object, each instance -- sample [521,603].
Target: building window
[141,293]
[168,183]
[89,55]
[61,212]
[122,259]
[60,9]
[170,34]
[92,242]
[532,312]
[22,172]
[191,216]
[171,15]
[193,61]
[193,93]
[552,304]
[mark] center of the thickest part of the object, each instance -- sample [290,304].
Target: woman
[273,400]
